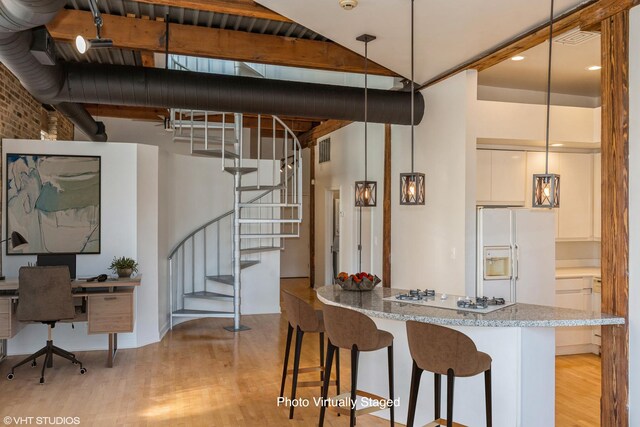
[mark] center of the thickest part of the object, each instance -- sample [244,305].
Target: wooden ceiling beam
[310,138]
[247,8]
[148,35]
[585,16]
[297,125]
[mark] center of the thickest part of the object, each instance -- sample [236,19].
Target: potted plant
[124,266]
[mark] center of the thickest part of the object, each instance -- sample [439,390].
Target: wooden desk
[107,307]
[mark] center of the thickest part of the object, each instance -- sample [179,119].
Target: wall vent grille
[575,37]
[324,148]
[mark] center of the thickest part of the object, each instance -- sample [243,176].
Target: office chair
[45,297]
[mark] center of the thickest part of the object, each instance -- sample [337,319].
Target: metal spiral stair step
[201,313]
[240,170]
[269,221]
[270,205]
[268,236]
[225,279]
[209,296]
[215,154]
[257,249]
[260,188]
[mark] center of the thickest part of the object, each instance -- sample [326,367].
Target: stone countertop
[577,272]
[518,315]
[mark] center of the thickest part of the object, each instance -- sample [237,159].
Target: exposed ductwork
[17,18]
[67,85]
[154,87]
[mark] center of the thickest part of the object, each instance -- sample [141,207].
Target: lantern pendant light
[365,194]
[412,185]
[546,186]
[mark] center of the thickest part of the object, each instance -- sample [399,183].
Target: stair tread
[259,249]
[246,264]
[270,220]
[241,170]
[215,153]
[200,313]
[226,279]
[207,294]
[261,188]
[267,235]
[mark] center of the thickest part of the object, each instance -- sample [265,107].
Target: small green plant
[123,263]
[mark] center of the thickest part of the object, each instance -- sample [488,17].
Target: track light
[82,44]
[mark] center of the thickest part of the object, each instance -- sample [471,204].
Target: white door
[535,256]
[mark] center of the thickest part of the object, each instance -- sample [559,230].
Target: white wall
[121,198]
[507,120]
[634,212]
[434,245]
[506,94]
[345,168]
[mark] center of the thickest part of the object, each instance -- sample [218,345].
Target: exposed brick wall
[21,116]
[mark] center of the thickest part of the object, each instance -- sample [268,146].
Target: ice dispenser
[497,262]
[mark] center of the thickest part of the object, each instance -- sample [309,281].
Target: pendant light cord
[546,163]
[366,105]
[412,89]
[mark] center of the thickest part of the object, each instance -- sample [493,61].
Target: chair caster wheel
[34,364]
[10,376]
[83,371]
[41,380]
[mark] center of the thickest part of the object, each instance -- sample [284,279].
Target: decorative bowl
[365,284]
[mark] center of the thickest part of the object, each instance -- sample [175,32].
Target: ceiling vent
[575,37]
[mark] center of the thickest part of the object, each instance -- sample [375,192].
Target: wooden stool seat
[355,331]
[444,351]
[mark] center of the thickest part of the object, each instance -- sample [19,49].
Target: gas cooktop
[431,298]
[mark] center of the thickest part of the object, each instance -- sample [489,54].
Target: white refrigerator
[516,254]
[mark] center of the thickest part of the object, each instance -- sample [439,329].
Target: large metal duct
[160,88]
[17,17]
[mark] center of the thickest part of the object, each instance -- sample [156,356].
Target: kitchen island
[519,338]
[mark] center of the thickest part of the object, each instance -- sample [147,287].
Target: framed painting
[53,201]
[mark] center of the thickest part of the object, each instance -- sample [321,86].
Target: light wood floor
[202,375]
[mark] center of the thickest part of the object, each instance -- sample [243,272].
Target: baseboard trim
[566,350]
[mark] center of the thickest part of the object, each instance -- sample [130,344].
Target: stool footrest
[309,369]
[314,383]
[362,411]
[443,422]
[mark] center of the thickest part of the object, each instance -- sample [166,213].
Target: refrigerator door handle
[516,262]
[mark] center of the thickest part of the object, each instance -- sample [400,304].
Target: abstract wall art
[54,202]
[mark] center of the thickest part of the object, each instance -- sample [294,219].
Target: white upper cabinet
[501,177]
[597,188]
[576,197]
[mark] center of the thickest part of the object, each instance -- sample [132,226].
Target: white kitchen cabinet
[576,294]
[597,304]
[483,176]
[576,197]
[575,214]
[500,177]
[597,200]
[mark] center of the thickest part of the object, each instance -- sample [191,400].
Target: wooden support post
[386,211]
[615,223]
[312,215]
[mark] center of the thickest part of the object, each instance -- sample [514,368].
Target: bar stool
[302,317]
[354,331]
[444,351]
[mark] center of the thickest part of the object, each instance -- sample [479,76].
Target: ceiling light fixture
[517,58]
[82,44]
[594,68]
[365,191]
[412,185]
[546,186]
[557,144]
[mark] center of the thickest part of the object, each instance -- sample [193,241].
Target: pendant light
[412,185]
[365,195]
[546,186]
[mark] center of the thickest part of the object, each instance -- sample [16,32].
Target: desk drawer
[110,313]
[9,325]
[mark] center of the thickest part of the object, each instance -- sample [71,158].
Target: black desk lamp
[17,242]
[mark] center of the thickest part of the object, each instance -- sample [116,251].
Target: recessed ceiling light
[557,145]
[594,68]
[517,58]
